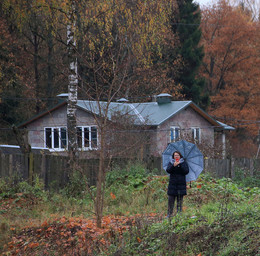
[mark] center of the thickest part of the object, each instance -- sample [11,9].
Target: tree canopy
[231,69]
[135,49]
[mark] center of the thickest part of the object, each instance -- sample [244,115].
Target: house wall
[185,119]
[159,137]
[56,118]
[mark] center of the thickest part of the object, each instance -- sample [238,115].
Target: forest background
[209,55]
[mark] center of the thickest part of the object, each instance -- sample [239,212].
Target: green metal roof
[149,113]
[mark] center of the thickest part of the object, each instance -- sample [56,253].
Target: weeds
[220,216]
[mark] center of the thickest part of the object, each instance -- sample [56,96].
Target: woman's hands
[176,157]
[176,162]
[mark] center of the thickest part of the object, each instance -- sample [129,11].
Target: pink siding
[185,120]
[57,118]
[159,138]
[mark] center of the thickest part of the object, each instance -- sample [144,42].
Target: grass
[221,216]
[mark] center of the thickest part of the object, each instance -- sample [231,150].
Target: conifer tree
[185,25]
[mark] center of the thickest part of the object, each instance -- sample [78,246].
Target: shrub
[9,188]
[76,186]
[245,179]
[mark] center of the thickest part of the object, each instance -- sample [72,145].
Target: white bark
[73,84]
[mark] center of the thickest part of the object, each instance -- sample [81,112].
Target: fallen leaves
[71,236]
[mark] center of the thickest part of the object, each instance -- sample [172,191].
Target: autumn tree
[118,50]
[230,67]
[35,22]
[114,37]
[251,7]
[11,81]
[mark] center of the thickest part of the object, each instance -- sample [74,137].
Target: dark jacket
[177,182]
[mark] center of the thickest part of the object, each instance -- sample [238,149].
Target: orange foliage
[231,68]
[112,196]
[71,236]
[139,240]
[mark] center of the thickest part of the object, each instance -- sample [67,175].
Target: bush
[244,179]
[76,186]
[9,188]
[134,175]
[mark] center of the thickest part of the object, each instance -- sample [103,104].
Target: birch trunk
[72,86]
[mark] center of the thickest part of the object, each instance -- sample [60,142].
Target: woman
[177,169]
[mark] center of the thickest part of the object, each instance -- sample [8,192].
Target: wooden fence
[54,171]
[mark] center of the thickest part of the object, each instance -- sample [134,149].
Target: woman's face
[177,156]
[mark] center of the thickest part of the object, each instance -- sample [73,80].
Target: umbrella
[191,155]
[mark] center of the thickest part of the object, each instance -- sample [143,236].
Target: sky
[202,2]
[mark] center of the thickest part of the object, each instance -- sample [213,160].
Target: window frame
[61,137]
[173,137]
[53,138]
[90,137]
[194,133]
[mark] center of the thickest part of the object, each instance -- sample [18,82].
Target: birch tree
[114,36]
[72,85]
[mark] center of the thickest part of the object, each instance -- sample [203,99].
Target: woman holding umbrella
[177,168]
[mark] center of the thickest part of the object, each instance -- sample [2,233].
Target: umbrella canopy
[191,155]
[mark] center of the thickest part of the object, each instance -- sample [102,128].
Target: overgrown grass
[221,217]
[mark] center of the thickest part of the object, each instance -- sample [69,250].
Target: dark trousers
[171,201]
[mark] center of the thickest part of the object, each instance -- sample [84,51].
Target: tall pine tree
[185,21]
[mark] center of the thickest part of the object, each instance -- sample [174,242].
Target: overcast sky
[202,2]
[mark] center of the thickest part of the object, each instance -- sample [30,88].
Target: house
[165,120]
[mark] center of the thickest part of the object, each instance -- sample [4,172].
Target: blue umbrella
[191,155]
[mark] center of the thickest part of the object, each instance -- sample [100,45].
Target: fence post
[251,166]
[31,168]
[232,169]
[206,164]
[10,165]
[43,170]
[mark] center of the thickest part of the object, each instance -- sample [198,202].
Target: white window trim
[52,138]
[52,149]
[173,129]
[194,136]
[83,138]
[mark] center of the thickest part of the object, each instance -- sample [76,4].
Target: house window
[175,134]
[63,137]
[56,137]
[196,134]
[87,137]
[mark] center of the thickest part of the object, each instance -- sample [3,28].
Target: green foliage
[76,186]
[133,176]
[11,187]
[221,218]
[210,189]
[184,22]
[134,188]
[191,235]
[245,179]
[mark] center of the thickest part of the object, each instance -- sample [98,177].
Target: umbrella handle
[190,184]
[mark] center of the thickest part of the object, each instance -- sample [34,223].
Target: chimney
[122,100]
[163,98]
[63,95]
